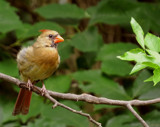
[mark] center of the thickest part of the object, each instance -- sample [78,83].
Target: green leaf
[156,76]
[124,120]
[121,11]
[1,115]
[151,94]
[63,116]
[87,41]
[149,79]
[119,121]
[58,83]
[153,53]
[9,67]
[137,67]
[87,76]
[104,106]
[6,111]
[20,33]
[111,12]
[152,42]
[137,55]
[139,86]
[156,61]
[138,31]
[150,64]
[110,64]
[45,122]
[31,31]
[33,111]
[153,17]
[8,18]
[63,13]
[28,43]
[116,67]
[110,51]
[64,50]
[93,81]
[152,118]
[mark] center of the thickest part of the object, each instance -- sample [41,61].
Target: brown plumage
[37,62]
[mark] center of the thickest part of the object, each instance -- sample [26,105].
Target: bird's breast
[47,60]
[37,64]
[48,56]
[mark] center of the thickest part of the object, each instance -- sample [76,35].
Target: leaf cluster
[148,55]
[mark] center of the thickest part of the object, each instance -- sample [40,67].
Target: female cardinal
[37,62]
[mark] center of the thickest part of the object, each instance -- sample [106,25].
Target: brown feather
[23,102]
[36,62]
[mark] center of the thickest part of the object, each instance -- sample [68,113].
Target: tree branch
[84,97]
[137,115]
[56,103]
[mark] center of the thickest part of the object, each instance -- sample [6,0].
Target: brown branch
[84,97]
[56,103]
[101,100]
[137,115]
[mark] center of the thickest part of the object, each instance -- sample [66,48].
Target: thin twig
[84,97]
[137,115]
[56,103]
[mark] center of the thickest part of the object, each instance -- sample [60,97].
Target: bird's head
[49,38]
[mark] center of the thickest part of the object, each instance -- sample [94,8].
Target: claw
[29,84]
[43,89]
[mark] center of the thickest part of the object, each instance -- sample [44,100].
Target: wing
[25,64]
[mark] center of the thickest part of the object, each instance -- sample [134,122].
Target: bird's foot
[29,84]
[43,89]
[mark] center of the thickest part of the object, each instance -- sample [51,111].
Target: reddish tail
[23,102]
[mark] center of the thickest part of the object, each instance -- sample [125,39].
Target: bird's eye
[50,36]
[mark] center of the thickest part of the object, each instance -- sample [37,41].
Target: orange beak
[58,39]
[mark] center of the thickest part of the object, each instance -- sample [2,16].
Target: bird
[36,63]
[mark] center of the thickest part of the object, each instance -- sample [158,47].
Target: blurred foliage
[95,33]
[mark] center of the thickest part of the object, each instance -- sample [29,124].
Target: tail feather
[23,102]
[26,102]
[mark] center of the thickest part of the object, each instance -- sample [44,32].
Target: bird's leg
[29,84]
[43,89]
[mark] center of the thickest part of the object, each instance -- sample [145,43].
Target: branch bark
[137,115]
[84,97]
